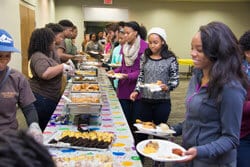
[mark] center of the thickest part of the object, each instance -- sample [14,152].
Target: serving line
[122,151]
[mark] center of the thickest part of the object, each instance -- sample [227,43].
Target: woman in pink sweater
[244,148]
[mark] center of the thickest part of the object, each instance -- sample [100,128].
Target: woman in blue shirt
[214,101]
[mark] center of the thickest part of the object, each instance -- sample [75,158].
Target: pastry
[164,127]
[148,125]
[158,82]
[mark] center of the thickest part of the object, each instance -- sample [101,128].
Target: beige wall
[71,10]
[180,19]
[45,12]
[9,20]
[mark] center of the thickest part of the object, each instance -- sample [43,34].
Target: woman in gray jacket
[214,100]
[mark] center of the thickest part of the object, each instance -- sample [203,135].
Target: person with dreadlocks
[18,149]
[47,71]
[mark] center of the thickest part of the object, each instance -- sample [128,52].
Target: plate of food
[153,87]
[115,75]
[150,128]
[94,52]
[161,150]
[114,65]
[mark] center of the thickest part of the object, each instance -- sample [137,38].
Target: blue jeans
[243,152]
[130,109]
[45,108]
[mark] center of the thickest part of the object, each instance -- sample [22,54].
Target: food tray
[84,103]
[79,80]
[96,159]
[91,146]
[86,66]
[87,72]
[93,64]
[85,87]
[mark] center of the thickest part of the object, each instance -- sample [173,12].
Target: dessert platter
[161,150]
[85,160]
[91,141]
[150,128]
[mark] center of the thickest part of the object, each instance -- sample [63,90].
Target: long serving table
[122,151]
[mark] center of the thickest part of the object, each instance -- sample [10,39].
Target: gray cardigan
[166,70]
[213,130]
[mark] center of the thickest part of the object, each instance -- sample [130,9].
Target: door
[27,23]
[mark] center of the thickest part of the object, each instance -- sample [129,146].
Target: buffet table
[122,151]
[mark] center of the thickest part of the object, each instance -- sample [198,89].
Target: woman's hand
[164,87]
[190,154]
[110,72]
[123,76]
[133,95]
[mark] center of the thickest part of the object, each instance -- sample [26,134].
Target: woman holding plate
[214,100]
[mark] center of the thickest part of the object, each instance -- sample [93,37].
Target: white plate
[151,87]
[92,63]
[115,75]
[114,65]
[164,153]
[158,130]
[141,128]
[93,52]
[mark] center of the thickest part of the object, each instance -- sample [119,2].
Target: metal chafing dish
[92,72]
[85,88]
[84,103]
[83,79]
